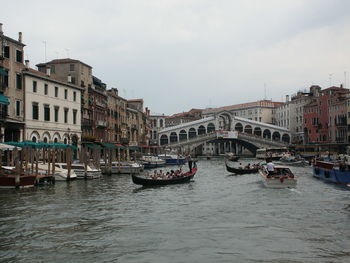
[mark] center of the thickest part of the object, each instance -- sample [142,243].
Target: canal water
[215,218]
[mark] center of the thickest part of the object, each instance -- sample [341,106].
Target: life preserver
[282,179]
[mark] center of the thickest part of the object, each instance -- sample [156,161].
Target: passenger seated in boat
[247,166]
[240,166]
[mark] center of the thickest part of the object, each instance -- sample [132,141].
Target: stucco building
[11,88]
[52,109]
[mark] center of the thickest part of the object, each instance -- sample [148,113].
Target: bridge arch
[164,139]
[192,133]
[248,129]
[276,136]
[267,134]
[173,137]
[286,138]
[257,131]
[210,128]
[201,130]
[182,135]
[239,127]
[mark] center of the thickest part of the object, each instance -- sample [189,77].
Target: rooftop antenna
[44,42]
[345,79]
[67,51]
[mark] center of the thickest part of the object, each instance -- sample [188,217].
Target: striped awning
[4,99]
[3,72]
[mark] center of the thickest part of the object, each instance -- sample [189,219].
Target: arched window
[182,136]
[192,133]
[173,137]
[164,140]
[201,130]
[210,127]
[239,127]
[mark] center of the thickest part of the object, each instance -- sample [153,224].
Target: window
[34,86]
[19,56]
[74,96]
[56,92]
[18,108]
[56,113]
[35,111]
[65,94]
[73,80]
[6,51]
[18,81]
[74,116]
[65,115]
[46,89]
[71,67]
[46,112]
[53,69]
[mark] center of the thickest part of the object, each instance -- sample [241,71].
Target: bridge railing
[262,139]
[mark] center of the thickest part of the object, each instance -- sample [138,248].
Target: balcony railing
[86,122]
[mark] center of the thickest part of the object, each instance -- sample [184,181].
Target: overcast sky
[183,54]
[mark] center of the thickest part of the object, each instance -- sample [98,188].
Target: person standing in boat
[190,162]
[270,166]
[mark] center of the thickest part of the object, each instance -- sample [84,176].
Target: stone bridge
[248,133]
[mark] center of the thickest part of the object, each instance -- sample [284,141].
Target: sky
[182,54]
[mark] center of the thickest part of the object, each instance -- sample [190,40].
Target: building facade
[11,88]
[184,117]
[52,109]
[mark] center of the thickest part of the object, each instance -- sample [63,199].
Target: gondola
[184,178]
[241,171]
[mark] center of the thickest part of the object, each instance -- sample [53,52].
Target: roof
[135,100]
[13,40]
[244,105]
[36,73]
[63,61]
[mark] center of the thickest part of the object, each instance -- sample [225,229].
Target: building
[325,116]
[80,74]
[262,110]
[11,88]
[137,118]
[290,115]
[52,109]
[184,117]
[157,123]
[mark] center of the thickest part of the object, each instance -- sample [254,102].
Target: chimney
[287,98]
[341,86]
[1,32]
[48,71]
[27,64]
[69,79]
[20,37]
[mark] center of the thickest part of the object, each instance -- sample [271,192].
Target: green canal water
[215,218]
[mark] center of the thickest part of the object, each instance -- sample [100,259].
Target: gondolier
[190,162]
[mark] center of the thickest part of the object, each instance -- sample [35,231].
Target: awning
[4,99]
[135,148]
[108,145]
[120,146]
[3,72]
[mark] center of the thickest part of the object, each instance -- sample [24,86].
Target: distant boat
[148,181]
[281,178]
[232,157]
[79,170]
[123,167]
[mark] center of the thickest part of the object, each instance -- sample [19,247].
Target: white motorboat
[123,167]
[79,170]
[61,174]
[149,161]
[282,177]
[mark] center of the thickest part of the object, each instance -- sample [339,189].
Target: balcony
[101,123]
[101,104]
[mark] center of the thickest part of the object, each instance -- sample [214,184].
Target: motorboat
[338,173]
[10,179]
[79,170]
[173,159]
[122,167]
[282,177]
[149,161]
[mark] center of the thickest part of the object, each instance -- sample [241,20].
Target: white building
[52,109]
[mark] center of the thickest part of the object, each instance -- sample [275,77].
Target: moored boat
[332,172]
[179,179]
[282,177]
[79,170]
[9,179]
[237,170]
[232,157]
